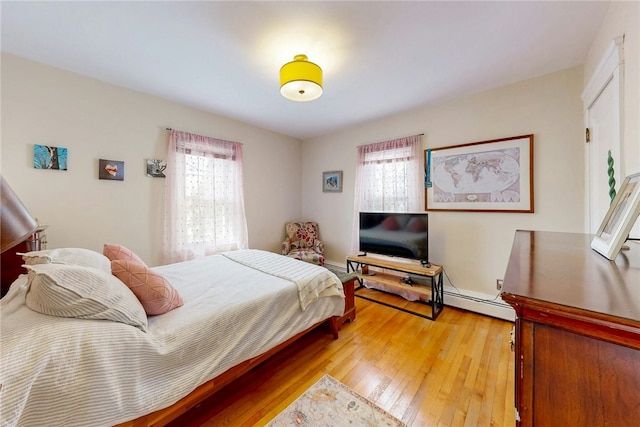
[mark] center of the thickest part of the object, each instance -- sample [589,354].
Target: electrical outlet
[499,283]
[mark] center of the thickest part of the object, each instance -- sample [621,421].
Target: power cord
[474,299]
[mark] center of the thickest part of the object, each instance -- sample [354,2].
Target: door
[603,112]
[604,127]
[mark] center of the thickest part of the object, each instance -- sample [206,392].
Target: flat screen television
[404,235]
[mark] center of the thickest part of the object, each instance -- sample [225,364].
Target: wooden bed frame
[166,415]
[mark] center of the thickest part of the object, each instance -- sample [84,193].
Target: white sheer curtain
[204,197]
[389,178]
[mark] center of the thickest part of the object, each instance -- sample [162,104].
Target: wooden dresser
[577,335]
[11,264]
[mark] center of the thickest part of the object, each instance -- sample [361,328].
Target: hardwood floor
[456,371]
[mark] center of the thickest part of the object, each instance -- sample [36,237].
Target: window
[388,179]
[204,204]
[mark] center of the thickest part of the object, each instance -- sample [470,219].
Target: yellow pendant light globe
[301,80]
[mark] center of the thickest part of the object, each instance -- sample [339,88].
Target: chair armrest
[318,246]
[286,247]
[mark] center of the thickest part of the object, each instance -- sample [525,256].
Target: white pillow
[70,256]
[82,292]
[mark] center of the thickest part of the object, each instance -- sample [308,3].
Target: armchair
[302,242]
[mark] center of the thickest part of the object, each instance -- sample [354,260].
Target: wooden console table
[431,295]
[577,334]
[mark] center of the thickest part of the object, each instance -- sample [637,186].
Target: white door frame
[610,70]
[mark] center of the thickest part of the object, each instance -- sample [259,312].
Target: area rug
[329,403]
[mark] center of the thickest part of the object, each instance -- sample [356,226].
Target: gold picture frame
[485,176]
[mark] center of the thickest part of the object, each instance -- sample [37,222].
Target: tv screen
[403,235]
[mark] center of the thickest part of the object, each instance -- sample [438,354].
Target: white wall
[473,247]
[43,105]
[95,120]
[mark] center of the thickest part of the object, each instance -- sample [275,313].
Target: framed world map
[486,176]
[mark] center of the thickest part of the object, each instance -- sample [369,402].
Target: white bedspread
[77,372]
[311,280]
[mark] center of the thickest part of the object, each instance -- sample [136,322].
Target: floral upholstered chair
[302,242]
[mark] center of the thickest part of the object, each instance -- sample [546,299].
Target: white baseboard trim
[477,302]
[336,265]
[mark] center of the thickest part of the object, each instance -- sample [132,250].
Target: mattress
[77,372]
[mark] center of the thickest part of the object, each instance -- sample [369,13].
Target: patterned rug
[329,403]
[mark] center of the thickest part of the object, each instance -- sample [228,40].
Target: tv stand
[431,295]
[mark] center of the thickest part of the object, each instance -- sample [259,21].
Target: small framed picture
[111,169]
[619,220]
[332,182]
[156,168]
[48,157]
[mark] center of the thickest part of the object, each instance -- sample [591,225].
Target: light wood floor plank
[455,371]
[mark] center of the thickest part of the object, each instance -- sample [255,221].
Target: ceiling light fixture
[301,80]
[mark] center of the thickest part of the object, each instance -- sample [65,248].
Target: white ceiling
[379,58]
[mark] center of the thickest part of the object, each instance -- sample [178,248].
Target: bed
[237,309]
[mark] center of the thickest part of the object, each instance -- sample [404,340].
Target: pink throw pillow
[154,292]
[119,252]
